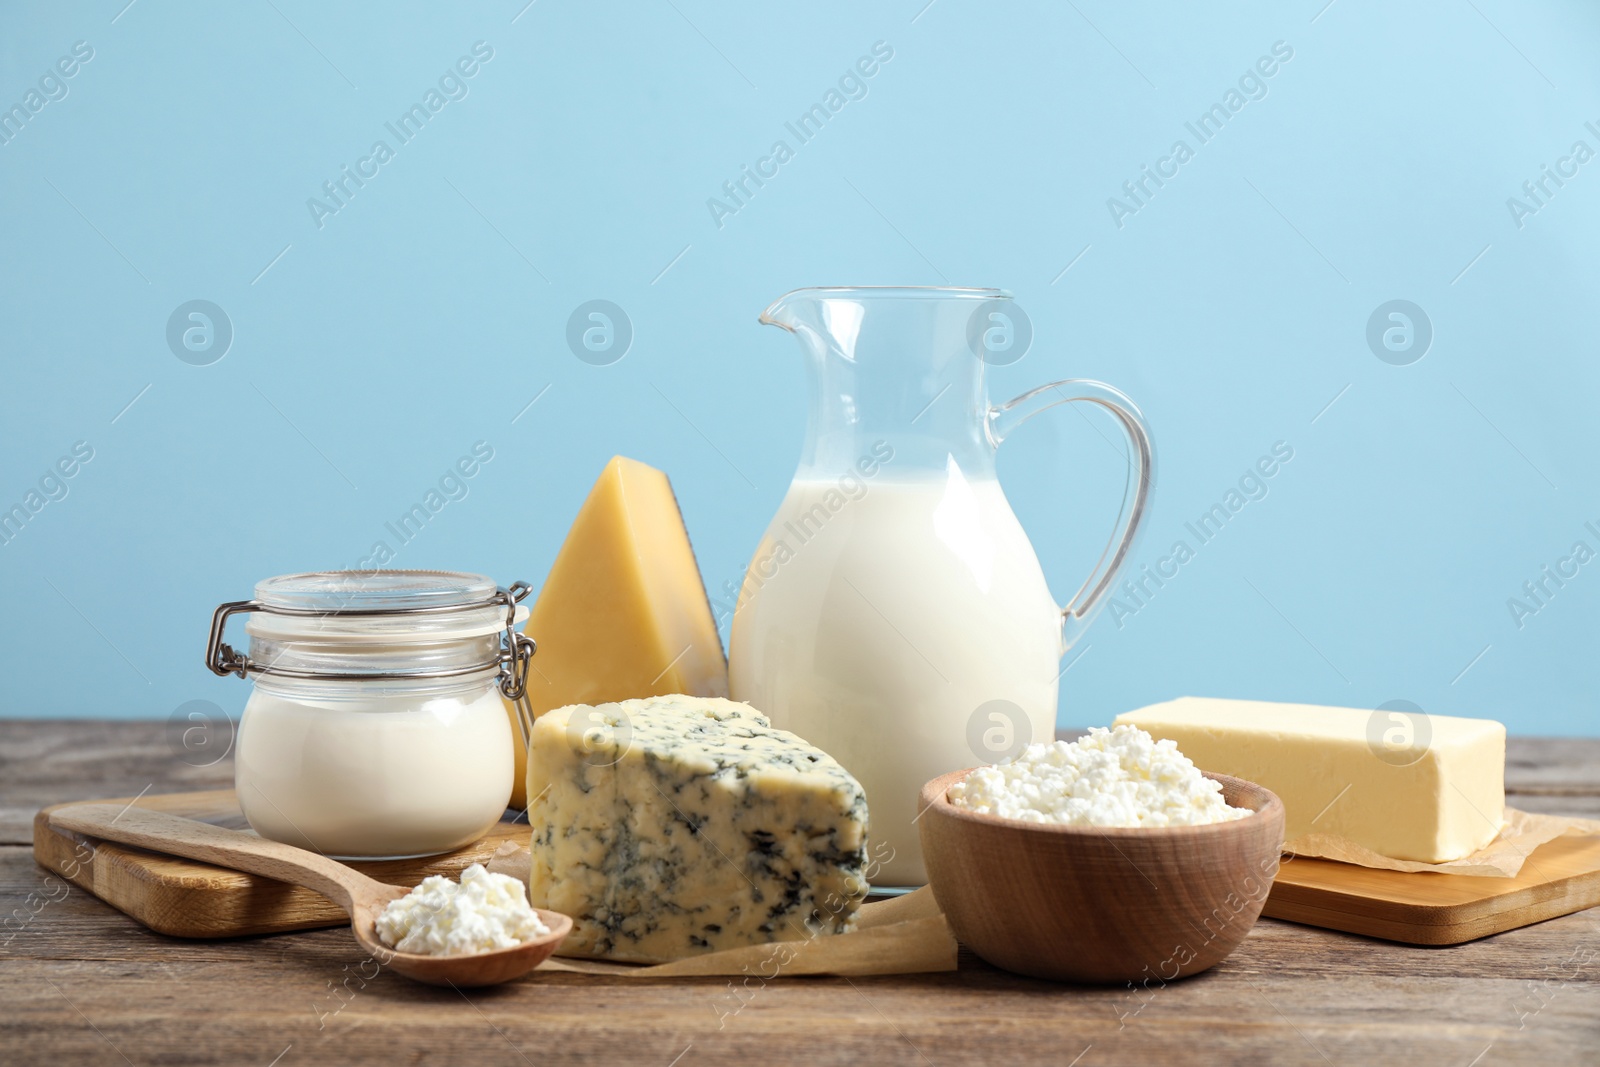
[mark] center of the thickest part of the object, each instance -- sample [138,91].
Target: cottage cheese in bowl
[1121,777]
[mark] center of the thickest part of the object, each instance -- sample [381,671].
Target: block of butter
[1409,786]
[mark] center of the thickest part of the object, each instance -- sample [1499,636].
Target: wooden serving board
[184,898]
[188,899]
[1558,878]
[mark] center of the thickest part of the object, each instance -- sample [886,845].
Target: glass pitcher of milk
[895,614]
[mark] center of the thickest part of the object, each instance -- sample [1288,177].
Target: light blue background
[432,308]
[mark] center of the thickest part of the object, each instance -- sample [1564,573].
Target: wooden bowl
[1088,904]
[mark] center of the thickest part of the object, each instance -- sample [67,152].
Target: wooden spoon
[362,898]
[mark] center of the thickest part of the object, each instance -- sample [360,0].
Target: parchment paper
[1501,858]
[902,935]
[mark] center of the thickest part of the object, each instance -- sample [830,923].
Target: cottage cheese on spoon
[1121,777]
[442,918]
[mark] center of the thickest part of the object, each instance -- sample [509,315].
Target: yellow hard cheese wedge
[1405,785]
[623,613]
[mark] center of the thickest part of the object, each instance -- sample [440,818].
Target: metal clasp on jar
[516,649]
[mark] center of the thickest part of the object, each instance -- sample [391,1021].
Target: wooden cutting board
[188,899]
[1558,878]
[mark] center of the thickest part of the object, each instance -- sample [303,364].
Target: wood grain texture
[362,898]
[49,763]
[1558,878]
[184,898]
[80,983]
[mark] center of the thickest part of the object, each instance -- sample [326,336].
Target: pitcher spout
[800,311]
[777,314]
[892,364]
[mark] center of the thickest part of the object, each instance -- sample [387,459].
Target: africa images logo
[52,88]
[851,85]
[452,86]
[199,332]
[1251,86]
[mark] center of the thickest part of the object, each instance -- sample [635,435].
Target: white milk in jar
[375,728]
[375,773]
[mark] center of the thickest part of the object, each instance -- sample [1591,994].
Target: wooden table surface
[82,984]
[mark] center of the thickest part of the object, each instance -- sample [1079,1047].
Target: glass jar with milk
[375,727]
[895,614]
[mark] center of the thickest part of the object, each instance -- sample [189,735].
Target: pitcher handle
[1005,418]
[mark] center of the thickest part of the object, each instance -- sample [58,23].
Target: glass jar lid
[378,625]
[336,590]
[378,606]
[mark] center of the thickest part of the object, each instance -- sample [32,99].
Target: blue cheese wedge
[677,825]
